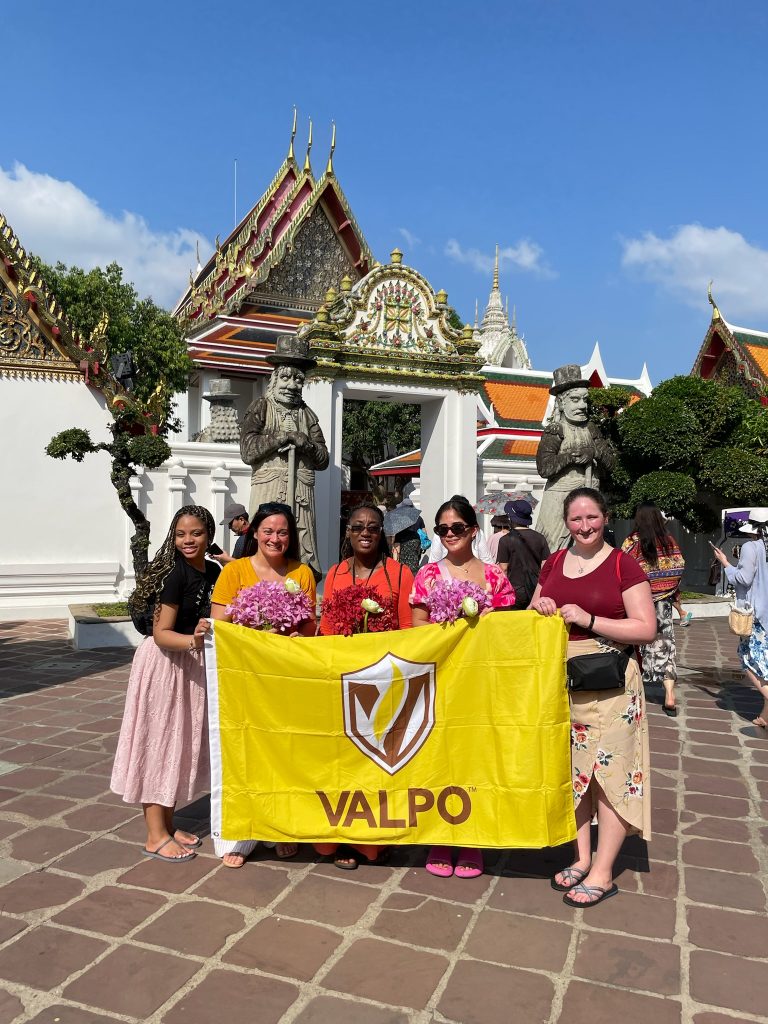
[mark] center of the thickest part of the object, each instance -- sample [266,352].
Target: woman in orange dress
[366,562]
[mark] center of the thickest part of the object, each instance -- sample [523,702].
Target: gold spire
[715,311]
[496,270]
[293,135]
[307,165]
[329,168]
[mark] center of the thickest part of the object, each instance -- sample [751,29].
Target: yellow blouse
[240,573]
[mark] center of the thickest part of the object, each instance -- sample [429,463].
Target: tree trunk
[121,474]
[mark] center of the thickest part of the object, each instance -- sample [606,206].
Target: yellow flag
[455,734]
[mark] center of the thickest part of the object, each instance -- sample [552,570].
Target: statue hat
[567,377]
[291,351]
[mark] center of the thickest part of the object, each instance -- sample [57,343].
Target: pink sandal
[469,864]
[440,861]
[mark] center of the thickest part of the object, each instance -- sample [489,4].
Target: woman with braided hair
[162,753]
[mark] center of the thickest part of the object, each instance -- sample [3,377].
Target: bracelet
[192,644]
[591,622]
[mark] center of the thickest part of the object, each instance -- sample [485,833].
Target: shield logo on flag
[389,709]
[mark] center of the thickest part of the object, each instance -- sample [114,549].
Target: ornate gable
[315,262]
[36,339]
[392,325]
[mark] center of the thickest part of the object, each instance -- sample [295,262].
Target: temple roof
[246,269]
[36,337]
[732,353]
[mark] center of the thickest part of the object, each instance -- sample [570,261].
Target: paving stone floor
[91,932]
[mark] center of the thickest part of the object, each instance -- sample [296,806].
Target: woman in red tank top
[603,596]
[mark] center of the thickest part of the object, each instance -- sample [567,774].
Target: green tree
[694,446]
[142,418]
[374,431]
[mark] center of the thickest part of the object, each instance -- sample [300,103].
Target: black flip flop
[671,712]
[605,894]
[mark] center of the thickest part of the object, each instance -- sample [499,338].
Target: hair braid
[150,582]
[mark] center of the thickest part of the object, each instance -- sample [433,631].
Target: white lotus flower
[470,607]
[292,586]
[371,606]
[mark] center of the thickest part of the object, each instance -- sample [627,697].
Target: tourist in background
[271,554]
[605,600]
[162,750]
[457,527]
[656,552]
[750,580]
[366,562]
[500,527]
[522,552]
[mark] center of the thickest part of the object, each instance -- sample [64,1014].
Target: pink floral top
[496,584]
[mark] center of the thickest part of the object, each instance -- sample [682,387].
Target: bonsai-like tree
[138,388]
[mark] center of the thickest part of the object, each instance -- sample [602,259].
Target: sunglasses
[457,529]
[364,528]
[274,508]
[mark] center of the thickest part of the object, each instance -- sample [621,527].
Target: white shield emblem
[389,709]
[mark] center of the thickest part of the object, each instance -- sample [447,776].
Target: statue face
[287,385]
[574,405]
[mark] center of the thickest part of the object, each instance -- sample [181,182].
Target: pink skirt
[162,754]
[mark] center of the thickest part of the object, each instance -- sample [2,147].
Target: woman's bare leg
[582,848]
[762,688]
[611,833]
[156,820]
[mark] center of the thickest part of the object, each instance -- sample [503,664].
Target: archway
[389,338]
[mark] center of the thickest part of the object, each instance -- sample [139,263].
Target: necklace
[371,571]
[461,568]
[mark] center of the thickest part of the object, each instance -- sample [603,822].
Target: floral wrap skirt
[609,742]
[660,656]
[753,651]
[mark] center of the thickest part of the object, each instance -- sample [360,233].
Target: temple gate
[388,338]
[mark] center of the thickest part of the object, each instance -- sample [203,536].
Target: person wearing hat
[522,552]
[750,580]
[236,518]
[572,452]
[280,431]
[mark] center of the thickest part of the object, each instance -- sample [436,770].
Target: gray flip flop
[169,860]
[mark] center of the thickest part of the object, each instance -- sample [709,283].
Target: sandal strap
[573,874]
[589,890]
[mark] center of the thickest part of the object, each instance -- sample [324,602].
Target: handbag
[741,620]
[604,671]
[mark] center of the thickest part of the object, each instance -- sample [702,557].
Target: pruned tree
[138,387]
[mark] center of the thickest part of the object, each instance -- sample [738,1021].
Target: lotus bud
[371,606]
[292,586]
[470,607]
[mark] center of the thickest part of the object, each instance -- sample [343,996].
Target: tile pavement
[91,933]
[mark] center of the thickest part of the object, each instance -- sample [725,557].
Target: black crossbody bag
[604,671]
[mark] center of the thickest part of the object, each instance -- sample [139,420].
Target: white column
[448,451]
[177,483]
[325,399]
[220,493]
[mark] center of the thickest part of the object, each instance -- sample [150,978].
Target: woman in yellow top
[271,554]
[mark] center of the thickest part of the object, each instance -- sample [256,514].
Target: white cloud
[684,263]
[57,221]
[526,255]
[410,239]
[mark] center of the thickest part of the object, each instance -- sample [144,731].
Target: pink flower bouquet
[449,600]
[271,606]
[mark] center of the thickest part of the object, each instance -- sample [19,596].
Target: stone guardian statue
[281,439]
[572,452]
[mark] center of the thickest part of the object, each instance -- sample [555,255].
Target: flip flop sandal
[347,859]
[575,875]
[440,862]
[189,845]
[286,856]
[671,712]
[469,864]
[169,860]
[234,867]
[603,894]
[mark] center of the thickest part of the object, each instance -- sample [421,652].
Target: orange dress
[391,579]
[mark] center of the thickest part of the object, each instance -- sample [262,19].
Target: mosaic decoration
[316,262]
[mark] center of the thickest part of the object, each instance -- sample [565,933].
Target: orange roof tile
[760,355]
[521,447]
[519,402]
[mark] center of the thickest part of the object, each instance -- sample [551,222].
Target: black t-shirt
[237,551]
[524,551]
[191,591]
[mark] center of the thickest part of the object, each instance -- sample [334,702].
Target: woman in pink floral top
[456,525]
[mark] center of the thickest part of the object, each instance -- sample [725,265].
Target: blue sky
[615,152]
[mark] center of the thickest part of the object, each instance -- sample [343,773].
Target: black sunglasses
[274,508]
[365,528]
[457,529]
